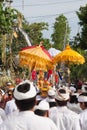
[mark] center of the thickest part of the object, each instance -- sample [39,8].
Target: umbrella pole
[53,75]
[68,74]
[29,74]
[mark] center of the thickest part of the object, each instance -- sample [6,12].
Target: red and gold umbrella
[70,56]
[35,57]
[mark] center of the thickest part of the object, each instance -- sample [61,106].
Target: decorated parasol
[53,52]
[35,57]
[70,56]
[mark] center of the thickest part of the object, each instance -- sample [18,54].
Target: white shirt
[10,107]
[1,121]
[64,118]
[27,120]
[83,119]
[74,107]
[2,114]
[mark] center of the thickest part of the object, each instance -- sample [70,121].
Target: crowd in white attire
[19,113]
[73,101]
[64,118]
[25,95]
[83,115]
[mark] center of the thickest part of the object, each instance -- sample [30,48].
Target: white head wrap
[82,98]
[43,105]
[51,92]
[62,96]
[29,94]
[72,89]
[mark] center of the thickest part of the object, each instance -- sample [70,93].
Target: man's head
[25,95]
[42,108]
[51,93]
[82,99]
[62,96]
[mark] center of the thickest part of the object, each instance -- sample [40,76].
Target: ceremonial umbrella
[36,58]
[70,56]
[53,52]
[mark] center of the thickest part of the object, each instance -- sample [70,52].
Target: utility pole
[65,37]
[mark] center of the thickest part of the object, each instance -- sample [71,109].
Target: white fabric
[74,107]
[84,86]
[48,99]
[72,89]
[1,121]
[14,113]
[51,92]
[43,105]
[29,94]
[2,114]
[61,96]
[82,98]
[27,120]
[83,119]
[10,107]
[2,91]
[38,98]
[64,118]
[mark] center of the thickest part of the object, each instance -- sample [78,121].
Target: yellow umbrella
[35,57]
[70,56]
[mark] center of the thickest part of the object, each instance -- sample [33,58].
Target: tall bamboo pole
[4,53]
[11,58]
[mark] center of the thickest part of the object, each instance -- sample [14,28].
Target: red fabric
[34,75]
[49,73]
[79,83]
[56,78]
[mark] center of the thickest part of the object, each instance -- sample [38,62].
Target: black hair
[40,112]
[52,104]
[73,99]
[83,94]
[61,103]
[62,91]
[23,87]
[26,104]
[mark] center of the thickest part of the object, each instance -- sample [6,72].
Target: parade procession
[43,81]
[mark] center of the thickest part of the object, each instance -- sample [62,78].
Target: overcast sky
[48,10]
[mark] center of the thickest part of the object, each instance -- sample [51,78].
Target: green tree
[35,31]
[61,32]
[46,43]
[8,18]
[82,15]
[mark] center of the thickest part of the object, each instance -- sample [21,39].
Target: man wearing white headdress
[51,98]
[25,99]
[42,109]
[82,99]
[64,118]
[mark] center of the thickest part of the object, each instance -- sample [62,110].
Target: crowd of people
[24,108]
